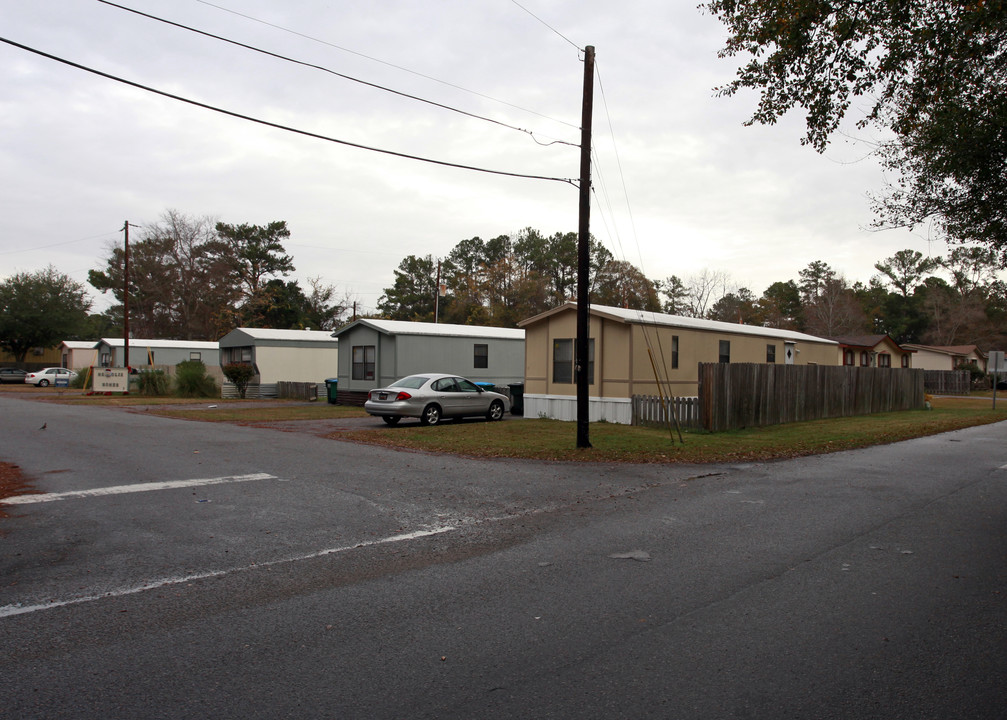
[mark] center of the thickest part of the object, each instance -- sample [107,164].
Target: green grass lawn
[555,440]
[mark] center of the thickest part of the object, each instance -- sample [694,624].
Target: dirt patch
[12,482]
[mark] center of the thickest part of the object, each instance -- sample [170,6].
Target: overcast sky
[681,185]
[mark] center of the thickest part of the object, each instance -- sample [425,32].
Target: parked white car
[49,376]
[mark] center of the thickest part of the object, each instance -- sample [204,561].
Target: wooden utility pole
[125,301]
[584,255]
[437,293]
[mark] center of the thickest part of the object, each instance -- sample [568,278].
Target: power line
[327,70]
[578,47]
[65,242]
[306,133]
[386,63]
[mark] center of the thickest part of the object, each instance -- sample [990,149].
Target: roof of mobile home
[403,327]
[644,317]
[279,336]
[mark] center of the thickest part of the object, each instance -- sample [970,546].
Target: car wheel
[391,419]
[431,415]
[496,411]
[43,383]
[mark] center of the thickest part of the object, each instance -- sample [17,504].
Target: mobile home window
[563,361]
[674,352]
[195,356]
[363,362]
[770,353]
[725,351]
[481,356]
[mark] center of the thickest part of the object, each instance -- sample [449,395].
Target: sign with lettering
[107,379]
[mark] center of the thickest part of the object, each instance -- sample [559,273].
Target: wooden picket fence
[947,382]
[653,411]
[737,395]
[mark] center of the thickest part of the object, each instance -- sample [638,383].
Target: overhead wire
[330,71]
[58,244]
[278,126]
[386,63]
[651,339]
[575,45]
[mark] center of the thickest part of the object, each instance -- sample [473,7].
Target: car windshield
[413,382]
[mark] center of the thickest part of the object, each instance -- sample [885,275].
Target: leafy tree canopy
[931,73]
[40,309]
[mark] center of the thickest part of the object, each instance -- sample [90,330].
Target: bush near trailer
[191,380]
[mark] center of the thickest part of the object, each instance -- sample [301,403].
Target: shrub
[978,377]
[239,374]
[152,382]
[191,380]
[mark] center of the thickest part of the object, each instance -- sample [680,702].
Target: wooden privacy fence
[649,410]
[737,395]
[297,390]
[955,382]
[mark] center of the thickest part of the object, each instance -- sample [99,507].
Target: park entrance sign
[110,380]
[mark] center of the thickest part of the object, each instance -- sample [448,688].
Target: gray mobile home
[378,352]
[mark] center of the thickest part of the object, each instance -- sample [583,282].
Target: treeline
[502,281]
[197,279]
[954,300]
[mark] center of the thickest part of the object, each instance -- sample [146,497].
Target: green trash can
[516,398]
[331,385]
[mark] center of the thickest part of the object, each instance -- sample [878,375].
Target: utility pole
[437,293]
[125,302]
[584,254]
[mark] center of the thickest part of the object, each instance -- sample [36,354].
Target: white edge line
[140,487]
[11,610]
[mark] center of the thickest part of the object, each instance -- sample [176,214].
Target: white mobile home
[282,355]
[378,352]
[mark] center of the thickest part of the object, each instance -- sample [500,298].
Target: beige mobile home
[946,357]
[78,354]
[627,347]
[282,355]
[873,351]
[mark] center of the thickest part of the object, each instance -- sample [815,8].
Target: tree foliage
[40,309]
[501,281]
[197,279]
[930,73]
[257,252]
[181,280]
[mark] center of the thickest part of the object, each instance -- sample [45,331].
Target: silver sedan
[434,396]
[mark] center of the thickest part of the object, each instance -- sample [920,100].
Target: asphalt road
[266,574]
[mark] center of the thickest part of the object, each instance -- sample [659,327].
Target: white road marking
[10,610]
[140,487]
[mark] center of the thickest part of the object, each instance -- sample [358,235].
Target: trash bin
[331,384]
[516,398]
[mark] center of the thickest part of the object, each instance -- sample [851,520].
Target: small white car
[49,376]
